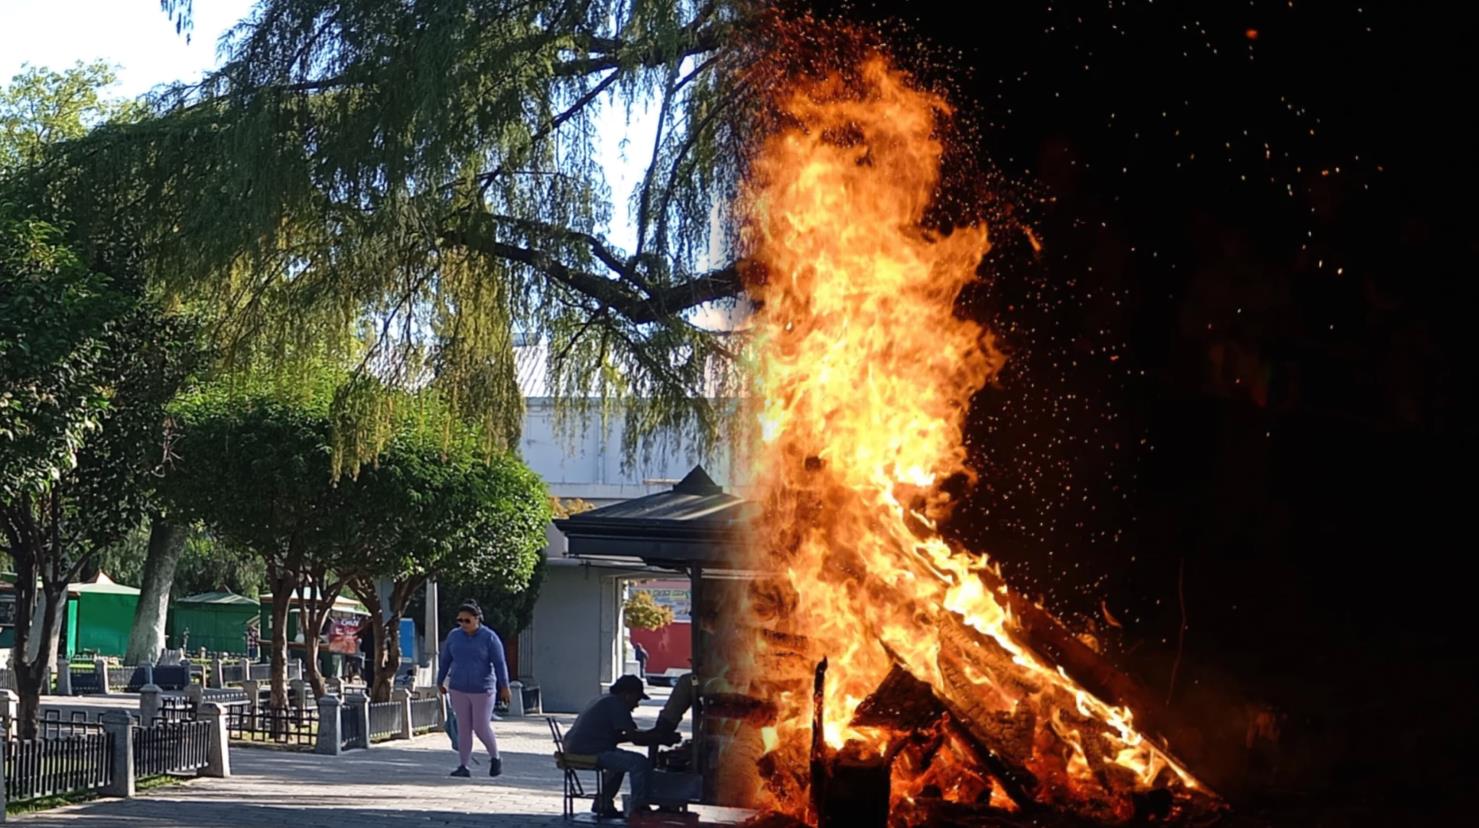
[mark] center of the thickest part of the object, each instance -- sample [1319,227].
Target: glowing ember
[864,375]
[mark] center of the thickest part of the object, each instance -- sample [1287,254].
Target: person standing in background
[641,656]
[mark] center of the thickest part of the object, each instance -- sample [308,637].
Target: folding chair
[572,765]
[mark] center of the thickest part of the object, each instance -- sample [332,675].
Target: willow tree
[424,176]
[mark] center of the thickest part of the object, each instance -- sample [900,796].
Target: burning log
[901,702]
[818,739]
[1055,644]
[741,708]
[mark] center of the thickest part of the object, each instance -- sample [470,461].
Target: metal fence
[35,769]
[293,726]
[351,727]
[171,747]
[84,678]
[425,713]
[52,726]
[385,720]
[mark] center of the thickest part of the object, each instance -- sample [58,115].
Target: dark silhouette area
[1240,379]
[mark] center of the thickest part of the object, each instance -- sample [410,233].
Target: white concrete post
[246,669]
[516,698]
[194,696]
[218,758]
[100,666]
[151,704]
[64,677]
[8,705]
[120,726]
[402,697]
[298,689]
[214,679]
[330,742]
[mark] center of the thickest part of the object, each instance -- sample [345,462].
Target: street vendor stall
[344,617]
[695,529]
[216,621]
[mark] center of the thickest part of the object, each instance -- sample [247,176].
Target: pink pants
[474,715]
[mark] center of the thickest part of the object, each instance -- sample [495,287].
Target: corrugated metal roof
[218,598]
[696,522]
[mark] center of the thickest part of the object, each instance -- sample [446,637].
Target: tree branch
[662,303]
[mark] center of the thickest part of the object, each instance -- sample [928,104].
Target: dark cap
[629,684]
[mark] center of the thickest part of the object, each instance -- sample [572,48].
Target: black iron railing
[171,747]
[425,713]
[52,726]
[35,769]
[351,727]
[385,720]
[297,727]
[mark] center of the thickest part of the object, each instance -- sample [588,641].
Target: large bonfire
[864,373]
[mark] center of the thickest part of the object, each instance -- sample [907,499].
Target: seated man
[597,731]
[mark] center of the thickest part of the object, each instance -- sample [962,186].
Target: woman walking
[472,667]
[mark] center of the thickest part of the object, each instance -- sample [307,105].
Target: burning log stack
[941,697]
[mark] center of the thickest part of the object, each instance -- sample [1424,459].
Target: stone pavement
[391,784]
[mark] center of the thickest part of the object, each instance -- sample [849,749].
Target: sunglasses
[466,620]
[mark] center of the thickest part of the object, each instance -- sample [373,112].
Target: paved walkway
[391,784]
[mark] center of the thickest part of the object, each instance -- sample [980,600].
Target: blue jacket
[473,661]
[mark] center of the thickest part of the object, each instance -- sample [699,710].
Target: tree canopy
[414,189]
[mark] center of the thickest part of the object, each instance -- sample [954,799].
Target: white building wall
[572,648]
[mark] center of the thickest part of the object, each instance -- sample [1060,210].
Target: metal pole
[433,636]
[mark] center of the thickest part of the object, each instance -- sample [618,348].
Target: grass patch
[46,803]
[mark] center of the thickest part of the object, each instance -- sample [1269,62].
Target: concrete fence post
[64,677]
[100,667]
[402,697]
[298,692]
[246,669]
[151,704]
[330,741]
[253,691]
[194,696]
[218,758]
[9,703]
[120,726]
[215,678]
[516,698]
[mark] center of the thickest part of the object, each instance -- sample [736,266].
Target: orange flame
[864,374]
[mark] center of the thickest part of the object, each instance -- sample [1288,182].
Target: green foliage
[257,472]
[642,612]
[40,108]
[414,189]
[88,367]
[54,316]
[212,565]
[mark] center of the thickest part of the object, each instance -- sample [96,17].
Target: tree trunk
[166,545]
[31,673]
[387,655]
[313,616]
[283,582]
[34,547]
